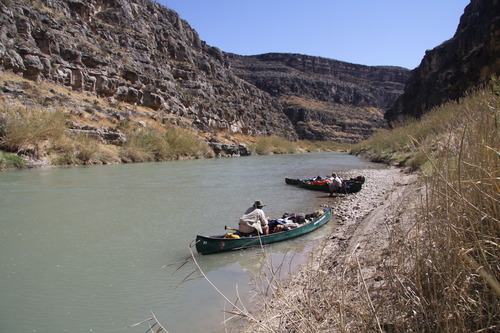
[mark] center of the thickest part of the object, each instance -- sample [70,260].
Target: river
[97,249]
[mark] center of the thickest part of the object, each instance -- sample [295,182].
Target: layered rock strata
[325,99]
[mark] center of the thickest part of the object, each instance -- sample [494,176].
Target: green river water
[97,249]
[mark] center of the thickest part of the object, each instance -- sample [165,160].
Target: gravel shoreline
[364,222]
[362,217]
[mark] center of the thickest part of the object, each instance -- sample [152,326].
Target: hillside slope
[140,53]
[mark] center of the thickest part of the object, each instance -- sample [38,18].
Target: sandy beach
[348,263]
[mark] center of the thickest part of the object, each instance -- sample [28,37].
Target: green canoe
[352,185]
[214,244]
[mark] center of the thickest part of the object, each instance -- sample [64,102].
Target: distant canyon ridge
[140,53]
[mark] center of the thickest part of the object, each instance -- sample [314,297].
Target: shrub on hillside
[146,145]
[185,143]
[273,145]
[29,130]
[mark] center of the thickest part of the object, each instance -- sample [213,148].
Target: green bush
[86,149]
[184,143]
[8,160]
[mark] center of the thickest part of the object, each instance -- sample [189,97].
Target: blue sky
[367,32]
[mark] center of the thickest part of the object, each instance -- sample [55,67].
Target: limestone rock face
[325,99]
[448,71]
[138,52]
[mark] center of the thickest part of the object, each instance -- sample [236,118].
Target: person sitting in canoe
[254,220]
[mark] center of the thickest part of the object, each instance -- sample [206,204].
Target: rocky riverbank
[335,288]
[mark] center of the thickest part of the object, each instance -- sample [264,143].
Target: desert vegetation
[8,160]
[273,145]
[39,133]
[446,275]
[416,144]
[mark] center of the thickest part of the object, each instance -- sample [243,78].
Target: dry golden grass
[25,130]
[448,273]
[148,144]
[319,146]
[159,141]
[437,130]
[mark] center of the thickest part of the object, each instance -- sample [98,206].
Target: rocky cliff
[325,98]
[136,52]
[448,71]
[142,54]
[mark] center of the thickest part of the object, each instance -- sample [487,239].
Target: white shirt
[337,181]
[253,219]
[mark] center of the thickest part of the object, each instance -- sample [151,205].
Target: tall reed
[447,279]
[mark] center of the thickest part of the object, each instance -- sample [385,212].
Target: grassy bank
[10,161]
[40,124]
[40,135]
[419,142]
[277,145]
